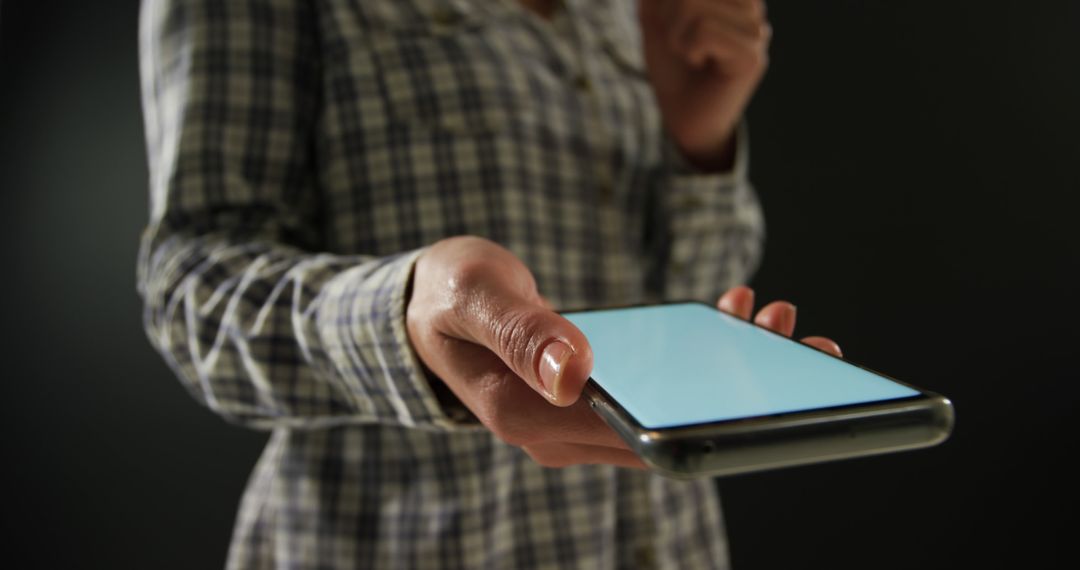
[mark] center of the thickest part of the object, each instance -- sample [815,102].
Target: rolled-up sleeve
[712,222]
[259,324]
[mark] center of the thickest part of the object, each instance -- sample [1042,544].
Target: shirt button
[445,17]
[645,557]
[693,202]
[607,190]
[582,83]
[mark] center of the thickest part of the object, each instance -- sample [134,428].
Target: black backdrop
[917,162]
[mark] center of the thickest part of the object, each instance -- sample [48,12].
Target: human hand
[476,319]
[778,316]
[705,58]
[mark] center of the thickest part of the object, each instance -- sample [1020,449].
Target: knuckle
[762,33]
[757,59]
[757,8]
[463,283]
[467,241]
[465,277]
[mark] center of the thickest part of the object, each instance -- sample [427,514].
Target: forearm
[267,335]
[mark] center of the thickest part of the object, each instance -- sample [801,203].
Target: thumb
[537,344]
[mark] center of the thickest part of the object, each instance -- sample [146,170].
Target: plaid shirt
[302,153]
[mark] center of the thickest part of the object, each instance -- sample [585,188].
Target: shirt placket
[587,44]
[584,44]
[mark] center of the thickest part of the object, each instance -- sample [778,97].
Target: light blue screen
[688,363]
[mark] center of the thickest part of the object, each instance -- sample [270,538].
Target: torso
[543,8]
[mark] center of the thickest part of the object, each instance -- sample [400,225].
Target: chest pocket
[447,65]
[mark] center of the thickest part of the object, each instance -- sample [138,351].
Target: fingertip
[737,301]
[778,316]
[824,344]
[574,379]
[554,358]
[564,387]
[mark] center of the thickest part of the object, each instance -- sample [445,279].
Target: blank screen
[687,363]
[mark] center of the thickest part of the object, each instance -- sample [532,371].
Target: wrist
[711,157]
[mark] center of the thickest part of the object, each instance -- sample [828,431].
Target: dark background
[917,161]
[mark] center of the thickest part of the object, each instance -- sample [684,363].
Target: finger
[737,18]
[557,455]
[823,344]
[759,7]
[676,12]
[738,301]
[537,344]
[511,409]
[708,38]
[778,316]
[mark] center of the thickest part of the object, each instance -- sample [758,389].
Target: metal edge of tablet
[771,442]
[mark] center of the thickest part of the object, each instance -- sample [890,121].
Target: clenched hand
[705,58]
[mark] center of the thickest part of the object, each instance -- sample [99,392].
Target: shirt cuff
[711,223]
[683,173]
[442,408]
[374,351]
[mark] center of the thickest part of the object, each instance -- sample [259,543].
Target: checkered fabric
[304,152]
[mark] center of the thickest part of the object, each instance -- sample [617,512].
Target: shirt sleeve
[713,231]
[259,324]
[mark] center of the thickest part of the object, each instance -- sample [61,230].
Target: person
[364,219]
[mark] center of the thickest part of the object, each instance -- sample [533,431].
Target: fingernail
[791,319]
[552,363]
